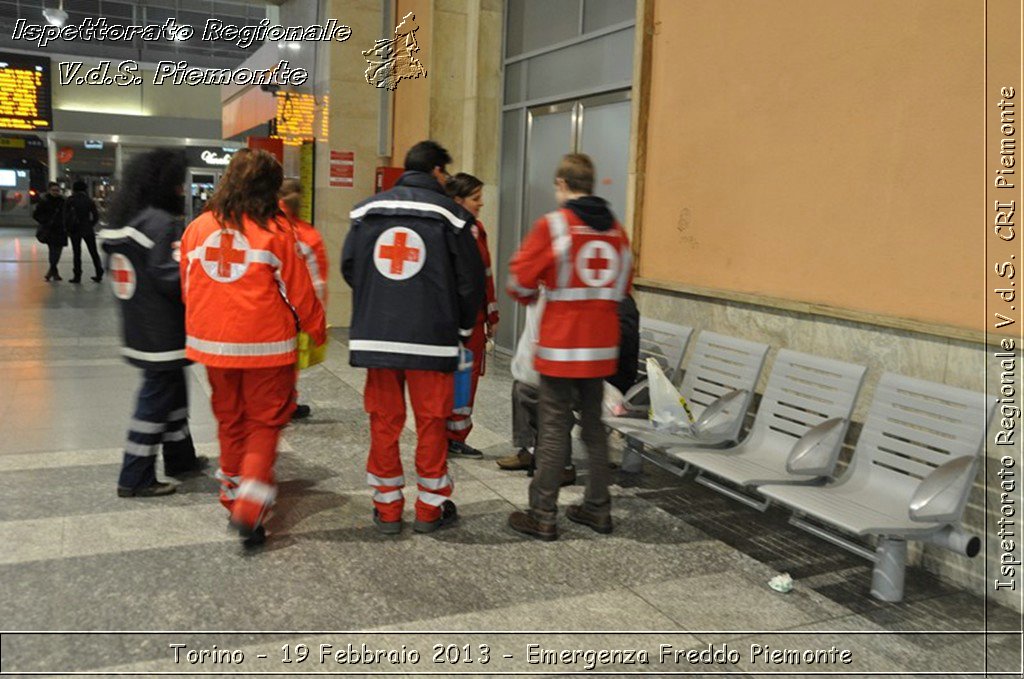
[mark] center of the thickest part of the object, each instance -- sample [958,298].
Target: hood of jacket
[420,180]
[593,210]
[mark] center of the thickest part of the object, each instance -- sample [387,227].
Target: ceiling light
[56,17]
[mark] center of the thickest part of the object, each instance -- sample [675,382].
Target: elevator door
[597,126]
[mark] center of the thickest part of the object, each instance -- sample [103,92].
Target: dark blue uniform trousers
[161,419]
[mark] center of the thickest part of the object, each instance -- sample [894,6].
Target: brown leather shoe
[517,461]
[579,514]
[568,476]
[521,522]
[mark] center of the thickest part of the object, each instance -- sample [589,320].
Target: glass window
[533,24]
[515,75]
[607,60]
[598,14]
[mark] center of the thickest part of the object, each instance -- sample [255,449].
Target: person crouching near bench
[581,255]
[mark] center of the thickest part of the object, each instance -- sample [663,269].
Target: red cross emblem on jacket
[399,253]
[122,276]
[597,263]
[225,256]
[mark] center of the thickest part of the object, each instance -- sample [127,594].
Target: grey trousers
[524,415]
[554,444]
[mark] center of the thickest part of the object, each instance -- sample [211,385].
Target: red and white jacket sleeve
[485,254]
[297,288]
[531,265]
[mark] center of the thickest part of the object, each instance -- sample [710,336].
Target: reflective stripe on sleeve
[626,268]
[465,332]
[568,355]
[492,307]
[412,206]
[561,243]
[241,348]
[513,286]
[179,414]
[128,232]
[403,348]
[388,497]
[465,410]
[153,356]
[374,480]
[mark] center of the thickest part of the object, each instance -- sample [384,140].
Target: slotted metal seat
[909,479]
[797,434]
[719,385]
[664,342]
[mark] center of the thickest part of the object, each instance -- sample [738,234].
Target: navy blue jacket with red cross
[145,278]
[416,276]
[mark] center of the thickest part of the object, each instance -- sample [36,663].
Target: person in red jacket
[467,191]
[312,251]
[246,293]
[581,255]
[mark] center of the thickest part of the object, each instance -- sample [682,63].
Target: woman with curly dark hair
[247,293]
[141,243]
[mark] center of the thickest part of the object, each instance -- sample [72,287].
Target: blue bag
[463,378]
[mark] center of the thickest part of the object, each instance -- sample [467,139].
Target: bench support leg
[890,567]
[632,459]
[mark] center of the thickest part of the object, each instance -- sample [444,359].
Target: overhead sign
[217,156]
[93,144]
[25,100]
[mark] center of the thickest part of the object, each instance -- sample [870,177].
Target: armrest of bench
[941,494]
[636,399]
[715,421]
[816,452]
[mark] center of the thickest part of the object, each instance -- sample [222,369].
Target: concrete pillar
[352,126]
[51,157]
[118,162]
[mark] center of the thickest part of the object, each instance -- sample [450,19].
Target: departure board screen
[25,93]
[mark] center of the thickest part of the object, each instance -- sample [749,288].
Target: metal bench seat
[909,478]
[797,434]
[719,385]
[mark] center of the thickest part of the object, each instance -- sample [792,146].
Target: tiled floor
[683,562]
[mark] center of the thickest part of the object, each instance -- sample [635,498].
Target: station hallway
[75,557]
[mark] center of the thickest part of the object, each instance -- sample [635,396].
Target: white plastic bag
[613,401]
[522,361]
[669,410]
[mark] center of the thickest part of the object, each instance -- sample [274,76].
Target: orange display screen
[25,103]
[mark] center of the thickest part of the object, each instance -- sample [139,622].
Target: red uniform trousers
[460,422]
[252,405]
[431,394]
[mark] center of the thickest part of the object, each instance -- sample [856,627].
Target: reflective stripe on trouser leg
[228,487]
[431,394]
[158,401]
[384,401]
[179,452]
[434,492]
[268,405]
[252,502]
[459,423]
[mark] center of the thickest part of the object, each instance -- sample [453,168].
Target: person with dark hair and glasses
[141,243]
[417,288]
[467,191]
